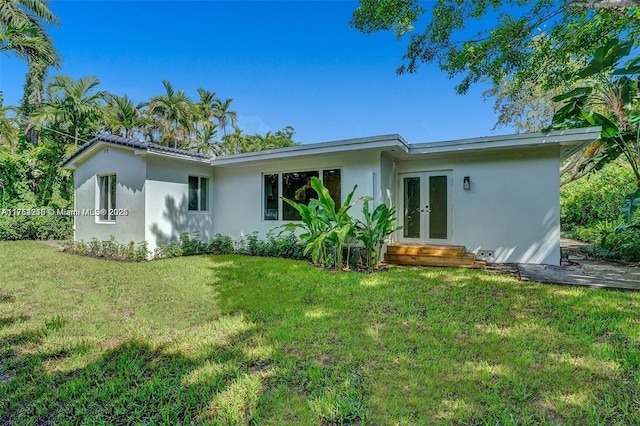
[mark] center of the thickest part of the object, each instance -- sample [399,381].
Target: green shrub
[253,246]
[167,250]
[191,246]
[284,245]
[621,244]
[37,227]
[595,198]
[220,244]
[109,249]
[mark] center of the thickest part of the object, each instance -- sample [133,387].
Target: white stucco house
[496,196]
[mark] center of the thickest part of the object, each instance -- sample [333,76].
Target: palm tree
[207,105]
[28,41]
[73,106]
[8,128]
[205,135]
[22,32]
[224,115]
[173,113]
[122,116]
[14,12]
[205,112]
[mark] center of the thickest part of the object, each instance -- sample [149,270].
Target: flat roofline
[556,136]
[371,142]
[570,140]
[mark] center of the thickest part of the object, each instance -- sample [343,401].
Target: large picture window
[198,187]
[107,198]
[296,186]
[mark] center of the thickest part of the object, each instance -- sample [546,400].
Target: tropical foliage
[607,98]
[512,44]
[595,198]
[330,233]
[58,115]
[22,33]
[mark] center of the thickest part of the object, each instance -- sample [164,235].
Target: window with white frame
[198,200]
[107,197]
[296,186]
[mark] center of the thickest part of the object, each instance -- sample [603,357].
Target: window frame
[279,173]
[111,200]
[207,191]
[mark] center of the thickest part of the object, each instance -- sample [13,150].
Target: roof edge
[368,142]
[135,144]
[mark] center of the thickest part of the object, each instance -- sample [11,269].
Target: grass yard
[247,340]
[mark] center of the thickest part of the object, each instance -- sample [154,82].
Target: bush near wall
[46,227]
[276,245]
[108,249]
[595,198]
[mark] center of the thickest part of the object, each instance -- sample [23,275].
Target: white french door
[425,207]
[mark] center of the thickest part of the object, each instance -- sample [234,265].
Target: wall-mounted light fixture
[466,183]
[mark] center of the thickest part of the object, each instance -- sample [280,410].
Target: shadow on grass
[293,344]
[7,298]
[446,345]
[10,320]
[131,383]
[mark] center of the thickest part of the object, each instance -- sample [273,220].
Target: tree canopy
[523,42]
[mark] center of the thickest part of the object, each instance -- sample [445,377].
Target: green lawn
[247,340]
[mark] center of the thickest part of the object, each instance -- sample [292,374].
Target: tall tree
[204,140]
[238,142]
[502,40]
[608,97]
[8,128]
[123,117]
[22,33]
[173,112]
[224,115]
[205,128]
[72,108]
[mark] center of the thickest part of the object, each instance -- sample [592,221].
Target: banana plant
[323,226]
[609,98]
[374,230]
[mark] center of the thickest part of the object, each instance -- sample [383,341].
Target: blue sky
[295,63]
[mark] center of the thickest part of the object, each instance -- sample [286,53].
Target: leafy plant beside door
[329,232]
[375,229]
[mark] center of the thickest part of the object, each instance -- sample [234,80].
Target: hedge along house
[496,198]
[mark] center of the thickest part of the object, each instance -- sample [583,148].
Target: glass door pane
[438,207]
[411,226]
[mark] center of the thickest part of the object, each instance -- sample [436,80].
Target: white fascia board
[73,164]
[174,156]
[580,136]
[386,141]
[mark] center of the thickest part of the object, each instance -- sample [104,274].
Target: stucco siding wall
[512,207]
[167,197]
[130,174]
[238,197]
[387,180]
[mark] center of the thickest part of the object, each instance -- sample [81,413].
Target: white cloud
[252,124]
